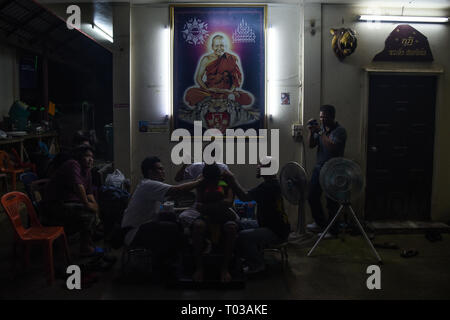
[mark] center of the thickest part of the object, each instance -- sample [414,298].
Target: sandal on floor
[408,253]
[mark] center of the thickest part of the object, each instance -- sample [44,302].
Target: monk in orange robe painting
[218,76]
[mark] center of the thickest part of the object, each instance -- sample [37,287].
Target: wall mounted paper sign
[143,126]
[218,66]
[285,98]
[153,127]
[405,44]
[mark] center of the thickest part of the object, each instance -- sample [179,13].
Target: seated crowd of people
[211,220]
[210,223]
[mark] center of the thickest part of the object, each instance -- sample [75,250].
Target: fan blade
[293,182]
[341,179]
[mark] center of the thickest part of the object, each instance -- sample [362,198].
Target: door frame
[394,69]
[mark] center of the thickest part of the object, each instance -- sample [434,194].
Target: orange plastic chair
[36,233]
[7,166]
[20,163]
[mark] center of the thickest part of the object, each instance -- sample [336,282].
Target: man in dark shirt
[330,139]
[272,219]
[69,200]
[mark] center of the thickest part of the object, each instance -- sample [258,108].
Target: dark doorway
[400,147]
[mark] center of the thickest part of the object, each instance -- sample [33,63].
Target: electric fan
[294,182]
[342,180]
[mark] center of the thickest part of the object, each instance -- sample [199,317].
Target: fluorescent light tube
[366,17]
[102,32]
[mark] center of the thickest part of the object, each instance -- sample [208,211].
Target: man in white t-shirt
[147,226]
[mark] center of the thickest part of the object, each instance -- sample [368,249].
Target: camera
[312,123]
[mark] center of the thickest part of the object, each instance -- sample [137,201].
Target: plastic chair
[36,233]
[7,166]
[20,164]
[136,260]
[280,248]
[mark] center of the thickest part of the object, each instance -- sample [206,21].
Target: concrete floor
[337,270]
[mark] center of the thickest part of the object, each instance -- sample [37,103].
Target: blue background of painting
[226,20]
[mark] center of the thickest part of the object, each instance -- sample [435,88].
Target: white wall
[349,96]
[148,90]
[121,87]
[9,79]
[296,49]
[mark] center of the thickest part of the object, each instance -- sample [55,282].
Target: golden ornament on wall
[344,42]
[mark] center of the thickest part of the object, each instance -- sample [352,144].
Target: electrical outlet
[297,131]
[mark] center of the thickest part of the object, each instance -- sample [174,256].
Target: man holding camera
[329,137]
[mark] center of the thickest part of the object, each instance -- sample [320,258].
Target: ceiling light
[366,17]
[102,32]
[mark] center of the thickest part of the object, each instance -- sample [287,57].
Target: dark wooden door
[400,147]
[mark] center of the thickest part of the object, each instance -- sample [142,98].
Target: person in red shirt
[69,200]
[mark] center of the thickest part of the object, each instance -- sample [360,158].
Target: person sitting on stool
[148,228]
[272,219]
[214,200]
[69,200]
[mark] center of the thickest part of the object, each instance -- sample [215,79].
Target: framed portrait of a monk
[218,66]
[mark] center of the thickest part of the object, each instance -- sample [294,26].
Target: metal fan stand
[301,234]
[349,206]
[295,182]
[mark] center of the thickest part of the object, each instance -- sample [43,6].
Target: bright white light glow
[273,47]
[165,54]
[102,33]
[366,17]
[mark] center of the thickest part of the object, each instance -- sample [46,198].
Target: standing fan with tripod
[294,183]
[342,180]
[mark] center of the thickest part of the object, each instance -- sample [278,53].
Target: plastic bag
[52,150]
[115,179]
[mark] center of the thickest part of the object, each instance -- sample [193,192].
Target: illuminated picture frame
[218,66]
